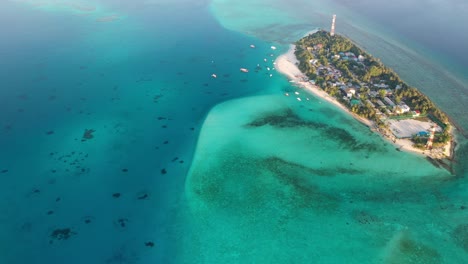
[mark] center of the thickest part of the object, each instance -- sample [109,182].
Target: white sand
[287,65]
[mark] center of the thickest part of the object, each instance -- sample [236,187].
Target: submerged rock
[62,233]
[88,134]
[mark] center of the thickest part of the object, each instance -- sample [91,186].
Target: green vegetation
[338,66]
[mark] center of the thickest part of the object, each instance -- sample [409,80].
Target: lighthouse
[332,31]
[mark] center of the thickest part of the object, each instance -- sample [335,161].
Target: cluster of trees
[418,101]
[371,70]
[439,139]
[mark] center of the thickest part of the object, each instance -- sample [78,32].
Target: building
[389,102]
[401,109]
[347,91]
[370,103]
[416,113]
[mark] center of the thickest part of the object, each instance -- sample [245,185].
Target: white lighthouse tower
[332,31]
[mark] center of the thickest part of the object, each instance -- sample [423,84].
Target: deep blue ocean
[102,105]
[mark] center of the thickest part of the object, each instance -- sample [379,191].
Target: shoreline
[286,64]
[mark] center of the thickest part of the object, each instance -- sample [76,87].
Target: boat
[296,93]
[252,46]
[268,68]
[273,47]
[299,99]
[287,94]
[214,75]
[271,75]
[244,70]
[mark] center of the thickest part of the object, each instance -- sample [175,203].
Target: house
[380,103]
[389,102]
[401,109]
[416,113]
[347,91]
[361,58]
[370,103]
[381,85]
[318,46]
[405,108]
[313,61]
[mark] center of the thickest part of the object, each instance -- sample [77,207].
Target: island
[334,68]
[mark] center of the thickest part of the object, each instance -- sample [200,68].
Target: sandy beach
[287,65]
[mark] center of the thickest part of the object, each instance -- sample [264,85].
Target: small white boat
[299,99]
[287,94]
[268,68]
[265,60]
[296,93]
[214,75]
[273,47]
[307,99]
[271,75]
[244,70]
[252,46]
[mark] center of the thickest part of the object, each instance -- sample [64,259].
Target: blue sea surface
[117,145]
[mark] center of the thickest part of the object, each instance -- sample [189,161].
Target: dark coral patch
[62,234]
[460,236]
[88,134]
[286,118]
[149,244]
[143,196]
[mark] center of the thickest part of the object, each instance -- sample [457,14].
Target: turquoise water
[183,167]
